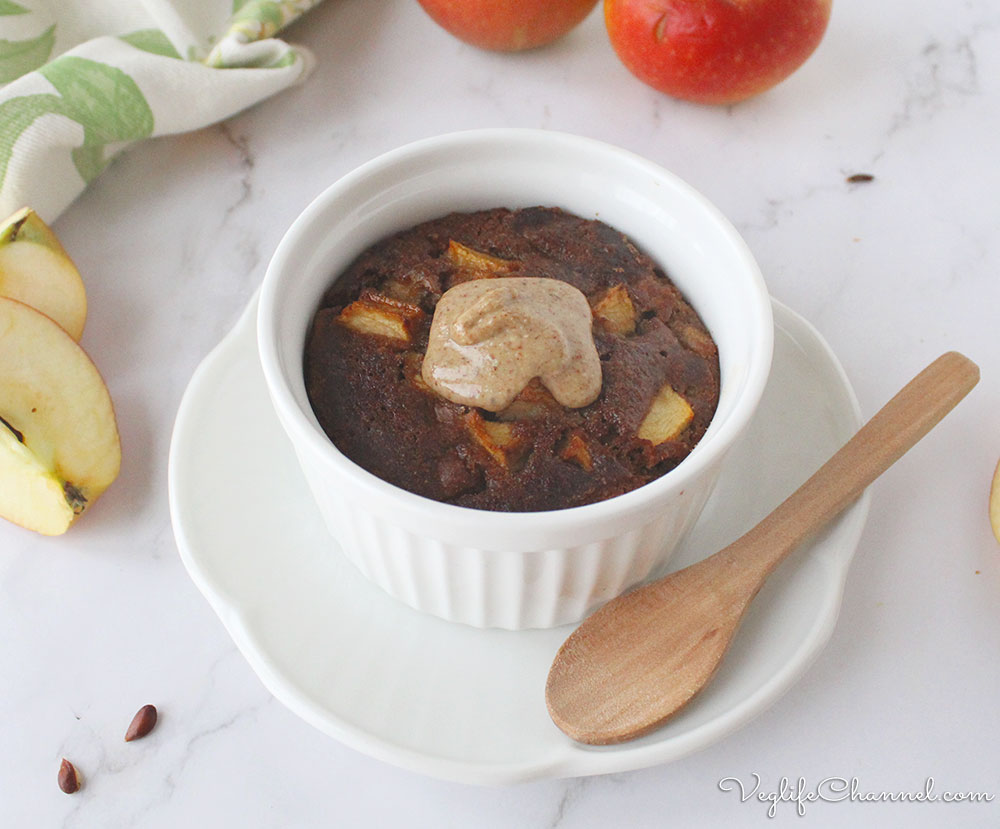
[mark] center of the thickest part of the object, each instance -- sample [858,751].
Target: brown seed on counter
[142,723]
[860,178]
[69,777]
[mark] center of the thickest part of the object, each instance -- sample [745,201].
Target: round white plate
[451,701]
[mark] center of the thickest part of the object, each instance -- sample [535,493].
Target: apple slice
[995,503]
[35,269]
[59,445]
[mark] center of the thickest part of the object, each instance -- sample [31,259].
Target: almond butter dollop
[490,337]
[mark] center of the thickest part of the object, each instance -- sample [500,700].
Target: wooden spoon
[645,654]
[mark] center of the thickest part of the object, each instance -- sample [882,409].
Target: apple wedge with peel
[36,270]
[59,445]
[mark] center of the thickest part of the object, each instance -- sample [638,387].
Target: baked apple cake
[513,393]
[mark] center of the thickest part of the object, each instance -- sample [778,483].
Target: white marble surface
[174,238]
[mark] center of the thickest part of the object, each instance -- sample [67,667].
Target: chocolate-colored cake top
[660,371]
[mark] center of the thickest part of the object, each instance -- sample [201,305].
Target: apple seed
[142,723]
[69,777]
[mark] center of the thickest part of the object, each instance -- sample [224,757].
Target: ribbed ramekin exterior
[501,569]
[482,587]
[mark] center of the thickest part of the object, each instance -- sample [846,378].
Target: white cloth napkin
[80,80]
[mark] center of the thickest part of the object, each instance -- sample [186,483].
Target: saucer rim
[567,759]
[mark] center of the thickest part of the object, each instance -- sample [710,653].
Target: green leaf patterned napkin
[82,79]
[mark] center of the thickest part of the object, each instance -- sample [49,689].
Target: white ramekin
[513,570]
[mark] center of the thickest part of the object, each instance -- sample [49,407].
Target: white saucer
[456,702]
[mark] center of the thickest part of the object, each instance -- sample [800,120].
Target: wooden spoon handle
[896,427]
[635,662]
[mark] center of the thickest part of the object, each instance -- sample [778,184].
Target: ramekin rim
[403,501]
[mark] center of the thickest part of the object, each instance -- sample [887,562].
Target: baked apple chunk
[412,363]
[532,403]
[499,439]
[474,264]
[616,312]
[668,416]
[576,450]
[382,316]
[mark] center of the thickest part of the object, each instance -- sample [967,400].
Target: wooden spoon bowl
[639,659]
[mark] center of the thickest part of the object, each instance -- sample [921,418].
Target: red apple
[715,51]
[508,25]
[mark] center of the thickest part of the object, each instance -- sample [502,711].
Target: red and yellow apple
[508,25]
[715,51]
